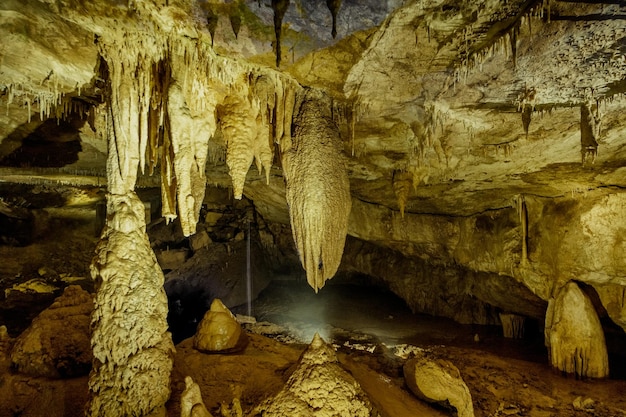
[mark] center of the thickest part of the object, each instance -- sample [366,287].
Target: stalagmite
[131,346]
[317,188]
[319,386]
[512,325]
[574,336]
[191,404]
[402,184]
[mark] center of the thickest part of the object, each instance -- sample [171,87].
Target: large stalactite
[318,190]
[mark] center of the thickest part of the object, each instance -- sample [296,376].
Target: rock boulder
[438,381]
[57,343]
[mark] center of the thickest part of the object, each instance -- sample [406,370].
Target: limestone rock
[512,325]
[219,330]
[6,342]
[200,240]
[574,336]
[191,404]
[132,347]
[57,343]
[438,381]
[317,189]
[318,387]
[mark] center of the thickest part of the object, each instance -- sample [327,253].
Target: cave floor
[505,377]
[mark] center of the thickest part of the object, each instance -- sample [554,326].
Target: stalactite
[192,122]
[333,6]
[211,21]
[317,188]
[280,8]
[235,24]
[522,212]
[589,132]
[237,118]
[402,182]
[512,325]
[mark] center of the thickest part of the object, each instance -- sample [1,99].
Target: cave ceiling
[460,105]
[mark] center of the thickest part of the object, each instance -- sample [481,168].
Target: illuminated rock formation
[191,404]
[219,330]
[132,348]
[318,387]
[318,191]
[574,335]
[438,381]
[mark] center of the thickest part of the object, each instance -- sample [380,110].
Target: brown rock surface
[57,345]
[439,381]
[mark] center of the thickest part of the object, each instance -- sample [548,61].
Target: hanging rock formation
[318,387]
[318,190]
[574,335]
[512,325]
[438,381]
[132,348]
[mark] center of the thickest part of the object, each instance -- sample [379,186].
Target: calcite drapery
[318,190]
[131,346]
[574,335]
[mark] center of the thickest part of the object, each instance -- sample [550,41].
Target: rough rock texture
[318,191]
[486,104]
[318,387]
[131,346]
[191,404]
[512,325]
[219,331]
[574,335]
[56,345]
[439,381]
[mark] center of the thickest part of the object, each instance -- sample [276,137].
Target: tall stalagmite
[318,190]
[574,335]
[131,346]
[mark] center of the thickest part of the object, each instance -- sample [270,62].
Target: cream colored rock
[191,404]
[132,348]
[318,387]
[56,344]
[317,189]
[219,330]
[574,336]
[438,381]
